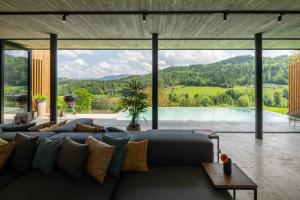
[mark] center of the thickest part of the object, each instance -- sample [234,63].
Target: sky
[99,63]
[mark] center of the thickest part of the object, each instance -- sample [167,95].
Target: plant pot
[135,128]
[227,167]
[41,108]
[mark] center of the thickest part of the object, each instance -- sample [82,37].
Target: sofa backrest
[177,149]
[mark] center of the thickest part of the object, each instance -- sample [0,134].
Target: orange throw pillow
[136,156]
[85,128]
[99,158]
[5,150]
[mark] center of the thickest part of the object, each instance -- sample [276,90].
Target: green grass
[276,109]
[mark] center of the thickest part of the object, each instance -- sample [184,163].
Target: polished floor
[273,163]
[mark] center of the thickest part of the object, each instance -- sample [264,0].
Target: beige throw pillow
[5,150]
[99,158]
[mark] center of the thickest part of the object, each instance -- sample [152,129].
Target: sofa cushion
[85,128]
[12,127]
[70,126]
[177,149]
[57,185]
[78,137]
[40,126]
[120,145]
[5,150]
[45,155]
[176,183]
[99,158]
[135,158]
[9,136]
[72,156]
[23,153]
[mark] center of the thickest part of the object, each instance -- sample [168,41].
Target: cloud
[74,53]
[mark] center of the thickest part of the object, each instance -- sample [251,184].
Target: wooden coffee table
[237,181]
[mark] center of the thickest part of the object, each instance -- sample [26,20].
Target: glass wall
[275,91]
[91,84]
[16,86]
[206,89]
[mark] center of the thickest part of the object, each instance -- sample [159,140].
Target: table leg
[255,194]
[234,195]
[218,150]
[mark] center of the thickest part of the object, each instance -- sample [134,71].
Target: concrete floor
[273,163]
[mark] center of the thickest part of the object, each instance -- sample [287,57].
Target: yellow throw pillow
[85,128]
[5,150]
[99,158]
[136,156]
[50,128]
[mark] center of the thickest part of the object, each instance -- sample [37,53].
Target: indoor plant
[134,100]
[41,104]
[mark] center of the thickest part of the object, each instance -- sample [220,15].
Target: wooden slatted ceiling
[131,26]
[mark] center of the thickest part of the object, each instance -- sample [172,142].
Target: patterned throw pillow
[40,126]
[136,156]
[72,156]
[5,150]
[23,153]
[99,158]
[45,155]
[118,155]
[85,128]
[52,127]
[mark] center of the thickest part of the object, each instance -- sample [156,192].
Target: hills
[235,71]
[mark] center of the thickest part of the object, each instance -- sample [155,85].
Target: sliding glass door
[16,83]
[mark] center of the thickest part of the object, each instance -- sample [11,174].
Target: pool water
[209,114]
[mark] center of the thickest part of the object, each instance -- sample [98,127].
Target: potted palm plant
[134,100]
[41,105]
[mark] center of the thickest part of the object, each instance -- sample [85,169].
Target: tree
[277,99]
[244,101]
[83,101]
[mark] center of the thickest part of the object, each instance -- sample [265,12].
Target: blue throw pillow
[118,155]
[45,156]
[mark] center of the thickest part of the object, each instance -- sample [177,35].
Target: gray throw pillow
[72,156]
[70,126]
[23,153]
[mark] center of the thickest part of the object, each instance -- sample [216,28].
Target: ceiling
[204,31]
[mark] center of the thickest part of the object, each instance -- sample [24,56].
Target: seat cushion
[172,149]
[57,185]
[9,136]
[161,183]
[78,137]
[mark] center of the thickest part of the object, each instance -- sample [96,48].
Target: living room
[146,99]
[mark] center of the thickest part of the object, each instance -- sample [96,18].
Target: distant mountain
[114,77]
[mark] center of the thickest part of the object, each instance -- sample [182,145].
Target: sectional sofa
[175,172]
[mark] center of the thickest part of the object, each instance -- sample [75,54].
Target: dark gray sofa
[175,173]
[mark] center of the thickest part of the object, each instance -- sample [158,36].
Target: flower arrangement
[226,163]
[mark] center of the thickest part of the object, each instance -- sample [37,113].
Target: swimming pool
[209,114]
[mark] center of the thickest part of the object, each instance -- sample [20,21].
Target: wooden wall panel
[294,85]
[40,75]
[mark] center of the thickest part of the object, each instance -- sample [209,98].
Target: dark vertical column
[258,87]
[53,77]
[154,81]
[29,99]
[1,81]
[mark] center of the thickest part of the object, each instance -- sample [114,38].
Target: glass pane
[206,89]
[15,86]
[90,84]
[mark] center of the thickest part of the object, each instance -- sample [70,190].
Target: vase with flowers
[226,164]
